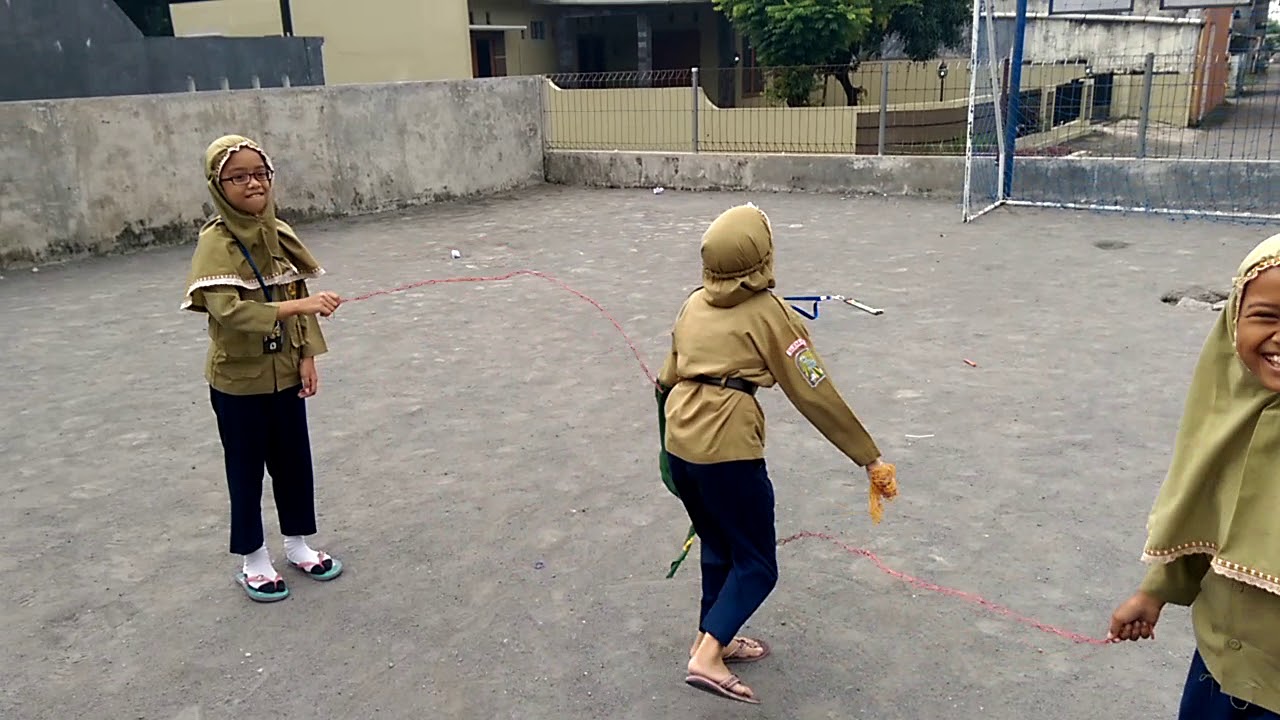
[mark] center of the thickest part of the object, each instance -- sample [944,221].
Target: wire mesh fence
[1177,106]
[1189,134]
[887,108]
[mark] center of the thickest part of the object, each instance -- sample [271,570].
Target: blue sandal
[327,569]
[263,589]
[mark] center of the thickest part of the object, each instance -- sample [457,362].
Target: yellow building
[397,40]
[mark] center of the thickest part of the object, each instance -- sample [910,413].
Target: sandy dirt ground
[486,459]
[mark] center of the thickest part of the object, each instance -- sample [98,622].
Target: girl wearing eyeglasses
[248,275]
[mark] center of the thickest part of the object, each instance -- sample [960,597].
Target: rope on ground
[973,598]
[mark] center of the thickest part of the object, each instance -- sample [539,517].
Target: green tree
[813,39]
[795,36]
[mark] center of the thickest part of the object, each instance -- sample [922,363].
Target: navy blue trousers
[1203,699]
[266,432]
[731,506]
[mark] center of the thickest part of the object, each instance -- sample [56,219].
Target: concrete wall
[939,176]
[1182,184]
[53,49]
[370,41]
[1117,39]
[99,175]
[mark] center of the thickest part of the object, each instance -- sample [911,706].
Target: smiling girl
[248,274]
[1213,537]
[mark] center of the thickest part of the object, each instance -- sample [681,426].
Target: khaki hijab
[737,256]
[275,248]
[1223,488]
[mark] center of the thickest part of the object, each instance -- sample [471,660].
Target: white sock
[258,562]
[296,548]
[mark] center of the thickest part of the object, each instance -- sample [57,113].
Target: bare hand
[323,304]
[310,377]
[1136,618]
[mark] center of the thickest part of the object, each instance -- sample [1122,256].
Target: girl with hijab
[248,275]
[731,337]
[1213,538]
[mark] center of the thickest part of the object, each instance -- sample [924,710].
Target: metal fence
[885,108]
[1138,106]
[1176,107]
[1189,134]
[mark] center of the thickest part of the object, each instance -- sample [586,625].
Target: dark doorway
[591,57]
[488,54]
[1102,87]
[675,53]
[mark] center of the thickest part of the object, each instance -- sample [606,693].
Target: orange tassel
[884,486]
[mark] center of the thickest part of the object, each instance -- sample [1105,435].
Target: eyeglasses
[262,176]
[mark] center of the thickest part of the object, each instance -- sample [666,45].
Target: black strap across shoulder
[245,251]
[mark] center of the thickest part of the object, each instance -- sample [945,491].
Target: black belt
[732,383]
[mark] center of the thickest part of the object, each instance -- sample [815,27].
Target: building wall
[365,41]
[526,55]
[97,175]
[1113,42]
[618,28]
[90,48]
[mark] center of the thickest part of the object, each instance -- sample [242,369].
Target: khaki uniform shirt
[763,341]
[1237,626]
[239,321]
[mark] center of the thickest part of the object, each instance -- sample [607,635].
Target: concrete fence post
[884,105]
[191,84]
[696,102]
[285,82]
[257,83]
[1144,118]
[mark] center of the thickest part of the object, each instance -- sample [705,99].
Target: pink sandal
[327,569]
[723,689]
[261,588]
[746,643]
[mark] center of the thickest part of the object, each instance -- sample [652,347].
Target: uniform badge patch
[810,368]
[795,346]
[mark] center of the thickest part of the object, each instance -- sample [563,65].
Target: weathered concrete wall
[97,175]
[1172,184]
[1108,41]
[890,175]
[1204,185]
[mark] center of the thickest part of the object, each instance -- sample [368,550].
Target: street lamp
[942,79]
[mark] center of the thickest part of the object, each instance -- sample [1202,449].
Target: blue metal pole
[1015,92]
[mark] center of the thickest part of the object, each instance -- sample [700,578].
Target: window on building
[537,30]
[752,75]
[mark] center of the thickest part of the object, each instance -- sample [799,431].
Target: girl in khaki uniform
[248,275]
[1213,537]
[731,337]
